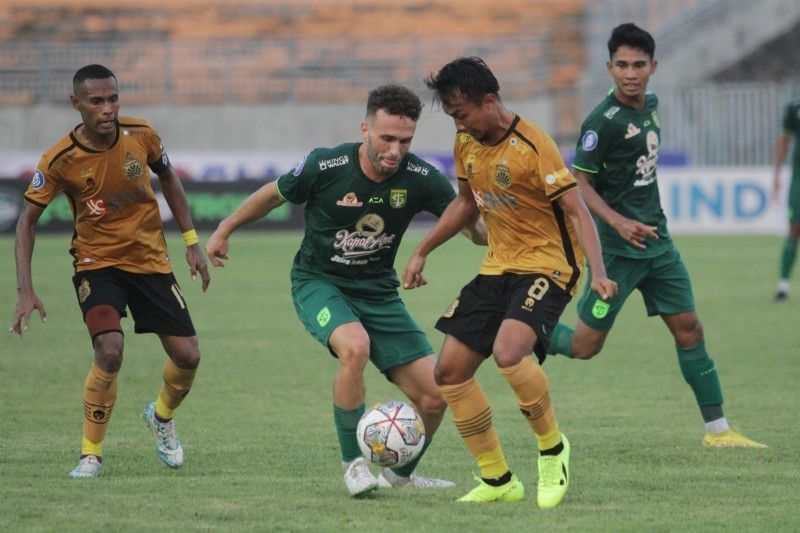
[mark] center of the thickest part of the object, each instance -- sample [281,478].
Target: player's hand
[197,263]
[635,232]
[26,303]
[605,287]
[217,249]
[412,275]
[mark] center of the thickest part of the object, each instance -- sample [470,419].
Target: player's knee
[432,403]
[187,354]
[587,349]
[108,349]
[690,335]
[354,353]
[449,375]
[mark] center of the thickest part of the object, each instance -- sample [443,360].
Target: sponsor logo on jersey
[502,175]
[589,141]
[452,309]
[84,290]
[646,164]
[633,131]
[349,200]
[519,146]
[495,201]
[611,111]
[38,180]
[132,168]
[397,198]
[298,168]
[376,200]
[324,316]
[335,162]
[655,119]
[370,224]
[367,239]
[464,138]
[419,169]
[557,175]
[468,162]
[96,207]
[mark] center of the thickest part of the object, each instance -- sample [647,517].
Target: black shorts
[155,300]
[475,316]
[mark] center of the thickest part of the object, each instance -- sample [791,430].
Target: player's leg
[102,301]
[596,316]
[667,291]
[471,324]
[416,381]
[789,255]
[158,306]
[326,314]
[535,304]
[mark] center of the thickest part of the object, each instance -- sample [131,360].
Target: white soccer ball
[391,434]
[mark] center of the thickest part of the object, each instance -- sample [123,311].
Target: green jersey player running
[615,166]
[791,130]
[359,200]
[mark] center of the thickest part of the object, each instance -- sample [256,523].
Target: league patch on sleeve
[38,180]
[298,168]
[589,141]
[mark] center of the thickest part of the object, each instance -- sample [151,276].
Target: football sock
[718,425]
[177,383]
[473,419]
[561,340]
[99,395]
[788,258]
[530,386]
[407,469]
[346,421]
[700,373]
[496,482]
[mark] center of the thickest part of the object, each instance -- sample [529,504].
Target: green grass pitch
[257,429]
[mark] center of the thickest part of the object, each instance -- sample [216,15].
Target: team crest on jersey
[633,131]
[349,200]
[397,198]
[84,290]
[38,180]
[502,175]
[452,309]
[133,168]
[370,225]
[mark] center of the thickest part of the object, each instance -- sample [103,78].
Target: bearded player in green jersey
[615,166]
[359,200]
[791,129]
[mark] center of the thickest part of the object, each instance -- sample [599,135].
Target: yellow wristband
[190,237]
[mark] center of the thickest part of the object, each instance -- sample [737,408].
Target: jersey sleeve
[157,158]
[592,146]
[556,177]
[458,153]
[439,194]
[45,185]
[295,186]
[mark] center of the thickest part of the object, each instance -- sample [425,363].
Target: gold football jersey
[516,183]
[117,221]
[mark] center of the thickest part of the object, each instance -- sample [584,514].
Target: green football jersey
[791,125]
[619,148]
[354,225]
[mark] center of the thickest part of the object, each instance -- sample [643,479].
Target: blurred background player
[615,166]
[791,130]
[512,173]
[359,200]
[121,257]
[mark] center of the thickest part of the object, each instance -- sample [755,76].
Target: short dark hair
[469,77]
[394,100]
[629,34]
[91,72]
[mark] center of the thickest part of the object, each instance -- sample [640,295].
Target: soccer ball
[391,434]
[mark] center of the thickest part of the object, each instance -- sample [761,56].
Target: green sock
[700,373]
[561,340]
[346,421]
[407,469]
[788,258]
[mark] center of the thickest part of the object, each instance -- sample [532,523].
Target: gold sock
[177,383]
[530,386]
[473,418]
[99,395]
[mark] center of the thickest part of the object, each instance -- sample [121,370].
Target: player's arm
[476,231]
[176,199]
[631,230]
[574,207]
[780,154]
[460,212]
[255,207]
[27,300]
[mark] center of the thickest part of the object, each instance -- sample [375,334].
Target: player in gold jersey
[120,256]
[511,172]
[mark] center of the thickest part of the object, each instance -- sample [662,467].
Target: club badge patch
[38,180]
[452,309]
[589,141]
[84,290]
[397,198]
[600,309]
[502,176]
[132,168]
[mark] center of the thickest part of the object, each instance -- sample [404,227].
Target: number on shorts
[539,288]
[178,296]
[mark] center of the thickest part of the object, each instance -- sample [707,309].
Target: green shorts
[395,338]
[663,281]
[794,199]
